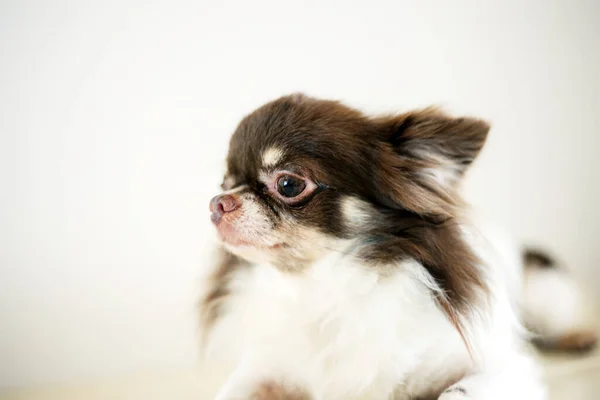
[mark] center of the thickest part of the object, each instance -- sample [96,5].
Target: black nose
[221,205]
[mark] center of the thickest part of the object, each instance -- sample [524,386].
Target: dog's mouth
[235,226]
[230,235]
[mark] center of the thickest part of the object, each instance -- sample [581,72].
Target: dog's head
[306,177]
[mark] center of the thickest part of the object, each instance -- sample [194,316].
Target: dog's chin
[230,237]
[257,250]
[234,240]
[252,253]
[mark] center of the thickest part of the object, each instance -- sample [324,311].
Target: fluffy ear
[423,156]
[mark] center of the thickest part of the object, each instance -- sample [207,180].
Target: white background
[114,121]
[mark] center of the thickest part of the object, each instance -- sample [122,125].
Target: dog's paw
[274,391]
[455,392]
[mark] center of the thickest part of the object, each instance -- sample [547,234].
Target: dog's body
[349,268]
[340,331]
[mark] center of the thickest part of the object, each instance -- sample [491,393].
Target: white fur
[553,303]
[342,331]
[445,173]
[252,223]
[356,211]
[271,157]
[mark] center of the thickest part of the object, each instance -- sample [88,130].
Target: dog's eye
[290,186]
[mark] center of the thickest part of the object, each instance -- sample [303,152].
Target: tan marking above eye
[272,156]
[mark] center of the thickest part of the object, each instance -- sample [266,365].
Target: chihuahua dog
[349,268]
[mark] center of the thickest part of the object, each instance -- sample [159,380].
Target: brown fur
[276,391]
[435,391]
[386,162]
[212,303]
[420,140]
[573,342]
[533,258]
[577,342]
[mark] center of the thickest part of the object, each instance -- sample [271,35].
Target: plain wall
[115,117]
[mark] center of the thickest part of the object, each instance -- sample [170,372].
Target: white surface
[114,119]
[568,378]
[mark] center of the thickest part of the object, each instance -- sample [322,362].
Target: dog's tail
[553,305]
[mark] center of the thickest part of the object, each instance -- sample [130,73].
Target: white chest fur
[341,330]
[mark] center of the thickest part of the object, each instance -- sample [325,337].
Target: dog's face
[306,177]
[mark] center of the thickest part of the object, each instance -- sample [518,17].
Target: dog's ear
[423,154]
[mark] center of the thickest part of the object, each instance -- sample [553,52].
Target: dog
[349,267]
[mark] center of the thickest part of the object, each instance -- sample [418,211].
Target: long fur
[372,283]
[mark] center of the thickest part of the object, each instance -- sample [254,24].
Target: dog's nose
[221,205]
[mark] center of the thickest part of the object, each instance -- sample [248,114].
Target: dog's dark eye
[290,186]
